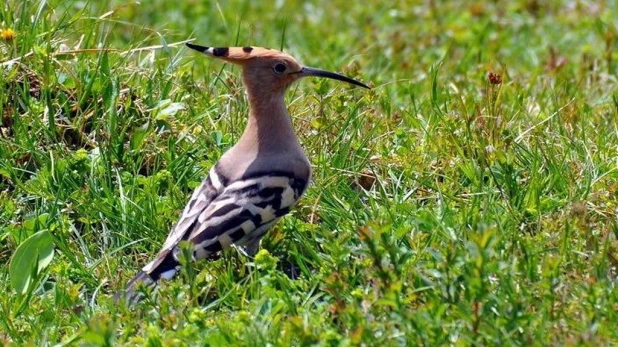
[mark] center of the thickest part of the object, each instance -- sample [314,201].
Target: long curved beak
[310,71]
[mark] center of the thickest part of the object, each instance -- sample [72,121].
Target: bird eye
[279,68]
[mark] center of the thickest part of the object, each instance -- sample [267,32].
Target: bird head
[268,70]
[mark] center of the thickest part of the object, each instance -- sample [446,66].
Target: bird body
[255,182]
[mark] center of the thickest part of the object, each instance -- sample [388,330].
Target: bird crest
[239,54]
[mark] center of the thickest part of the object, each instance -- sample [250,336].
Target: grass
[468,198]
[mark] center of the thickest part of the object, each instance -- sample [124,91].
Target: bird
[256,182]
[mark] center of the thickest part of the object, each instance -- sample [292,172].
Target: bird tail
[165,267]
[130,294]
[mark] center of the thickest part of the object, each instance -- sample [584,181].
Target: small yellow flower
[7,34]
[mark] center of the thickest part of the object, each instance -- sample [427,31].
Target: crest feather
[238,54]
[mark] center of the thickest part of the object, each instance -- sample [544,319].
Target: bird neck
[269,124]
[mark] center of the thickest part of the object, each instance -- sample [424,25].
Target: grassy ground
[468,198]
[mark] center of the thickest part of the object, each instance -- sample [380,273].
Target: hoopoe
[255,182]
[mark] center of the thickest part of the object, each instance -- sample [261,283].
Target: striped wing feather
[240,214]
[221,213]
[200,199]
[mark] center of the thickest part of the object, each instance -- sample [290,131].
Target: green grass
[444,208]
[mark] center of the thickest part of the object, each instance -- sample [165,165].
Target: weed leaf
[31,258]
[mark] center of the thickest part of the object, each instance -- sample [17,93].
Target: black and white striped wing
[244,211]
[221,213]
[165,264]
[200,200]
[217,216]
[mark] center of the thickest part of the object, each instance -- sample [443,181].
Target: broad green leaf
[30,226]
[31,257]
